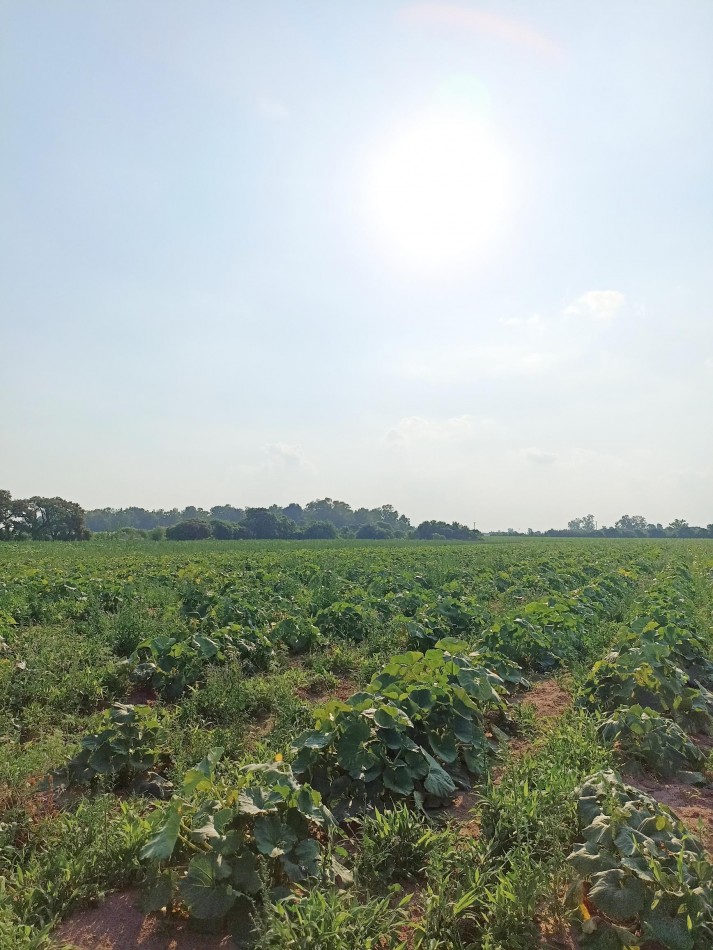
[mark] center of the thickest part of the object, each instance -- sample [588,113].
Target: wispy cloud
[284,457]
[270,108]
[497,360]
[539,457]
[597,304]
[415,430]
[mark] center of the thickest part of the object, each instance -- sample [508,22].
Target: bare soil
[548,697]
[342,691]
[118,924]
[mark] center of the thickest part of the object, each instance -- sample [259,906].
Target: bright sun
[439,193]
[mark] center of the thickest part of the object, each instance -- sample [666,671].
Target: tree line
[56,519]
[628,526]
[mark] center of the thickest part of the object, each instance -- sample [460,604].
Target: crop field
[341,745]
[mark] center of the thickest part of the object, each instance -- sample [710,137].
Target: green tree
[48,519]
[319,529]
[193,530]
[5,513]
[266,525]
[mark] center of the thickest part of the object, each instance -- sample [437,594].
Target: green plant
[125,753]
[645,736]
[642,876]
[297,634]
[216,850]
[171,663]
[646,675]
[344,621]
[335,920]
[416,731]
[394,845]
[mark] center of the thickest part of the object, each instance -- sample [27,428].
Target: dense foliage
[383,682]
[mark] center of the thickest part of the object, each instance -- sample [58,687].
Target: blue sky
[454,257]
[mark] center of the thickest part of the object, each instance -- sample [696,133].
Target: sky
[454,257]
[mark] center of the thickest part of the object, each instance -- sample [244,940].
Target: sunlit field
[344,745]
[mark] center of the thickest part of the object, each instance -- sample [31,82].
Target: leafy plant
[216,850]
[171,663]
[297,634]
[416,731]
[344,621]
[125,753]
[335,920]
[394,845]
[647,676]
[646,736]
[643,877]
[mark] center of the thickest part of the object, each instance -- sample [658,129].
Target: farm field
[342,745]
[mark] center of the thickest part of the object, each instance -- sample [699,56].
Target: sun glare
[439,194]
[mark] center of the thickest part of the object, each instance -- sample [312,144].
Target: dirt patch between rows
[318,695]
[461,810]
[548,697]
[694,806]
[118,924]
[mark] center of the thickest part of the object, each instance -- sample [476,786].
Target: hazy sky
[451,256]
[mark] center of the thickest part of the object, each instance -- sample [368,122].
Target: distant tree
[428,530]
[264,524]
[48,519]
[634,525]
[325,509]
[227,513]
[324,530]
[221,530]
[194,530]
[373,532]
[5,513]
[191,513]
[294,512]
[584,525]
[679,528]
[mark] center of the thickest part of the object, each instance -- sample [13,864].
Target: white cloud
[415,430]
[597,304]
[539,457]
[281,456]
[270,108]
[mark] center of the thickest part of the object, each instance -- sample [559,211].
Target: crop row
[642,876]
[428,722]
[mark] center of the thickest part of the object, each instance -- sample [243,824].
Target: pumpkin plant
[217,850]
[127,752]
[646,736]
[417,731]
[641,876]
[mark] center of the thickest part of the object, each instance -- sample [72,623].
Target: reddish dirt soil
[694,806]
[142,696]
[118,924]
[460,810]
[341,691]
[551,935]
[548,698]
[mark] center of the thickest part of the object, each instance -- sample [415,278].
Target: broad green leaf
[272,837]
[398,779]
[617,894]
[205,889]
[160,845]
[438,782]
[245,876]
